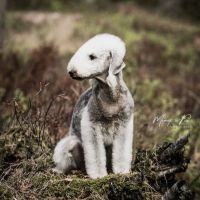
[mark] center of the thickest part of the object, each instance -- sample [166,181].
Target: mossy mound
[26,173]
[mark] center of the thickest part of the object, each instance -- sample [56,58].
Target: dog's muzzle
[74,75]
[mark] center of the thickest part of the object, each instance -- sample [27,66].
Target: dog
[101,134]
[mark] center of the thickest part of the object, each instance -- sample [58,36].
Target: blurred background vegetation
[37,38]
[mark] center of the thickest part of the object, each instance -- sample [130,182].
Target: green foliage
[21,99]
[2,93]
[185,8]
[150,90]
[37,4]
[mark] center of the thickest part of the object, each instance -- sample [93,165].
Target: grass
[26,172]
[37,99]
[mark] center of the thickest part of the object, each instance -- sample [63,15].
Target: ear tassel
[112,81]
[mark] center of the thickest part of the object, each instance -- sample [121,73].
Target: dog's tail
[68,154]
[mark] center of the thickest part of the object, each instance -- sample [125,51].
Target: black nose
[73,74]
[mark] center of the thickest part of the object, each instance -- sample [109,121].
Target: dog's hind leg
[68,155]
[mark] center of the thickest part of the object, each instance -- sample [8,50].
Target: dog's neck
[109,86]
[109,98]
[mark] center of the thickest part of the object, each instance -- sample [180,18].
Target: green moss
[5,191]
[32,174]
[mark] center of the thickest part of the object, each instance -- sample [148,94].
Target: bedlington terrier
[101,130]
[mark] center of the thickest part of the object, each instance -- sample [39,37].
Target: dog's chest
[109,130]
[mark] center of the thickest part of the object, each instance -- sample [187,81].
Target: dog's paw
[56,170]
[122,170]
[95,176]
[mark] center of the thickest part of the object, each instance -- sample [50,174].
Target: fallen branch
[174,147]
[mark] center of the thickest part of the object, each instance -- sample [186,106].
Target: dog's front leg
[122,148]
[93,146]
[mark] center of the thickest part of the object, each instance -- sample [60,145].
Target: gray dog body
[101,131]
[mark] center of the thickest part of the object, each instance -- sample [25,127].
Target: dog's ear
[119,68]
[114,67]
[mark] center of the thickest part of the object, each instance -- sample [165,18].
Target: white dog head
[99,54]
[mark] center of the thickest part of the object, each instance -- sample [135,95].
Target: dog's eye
[92,57]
